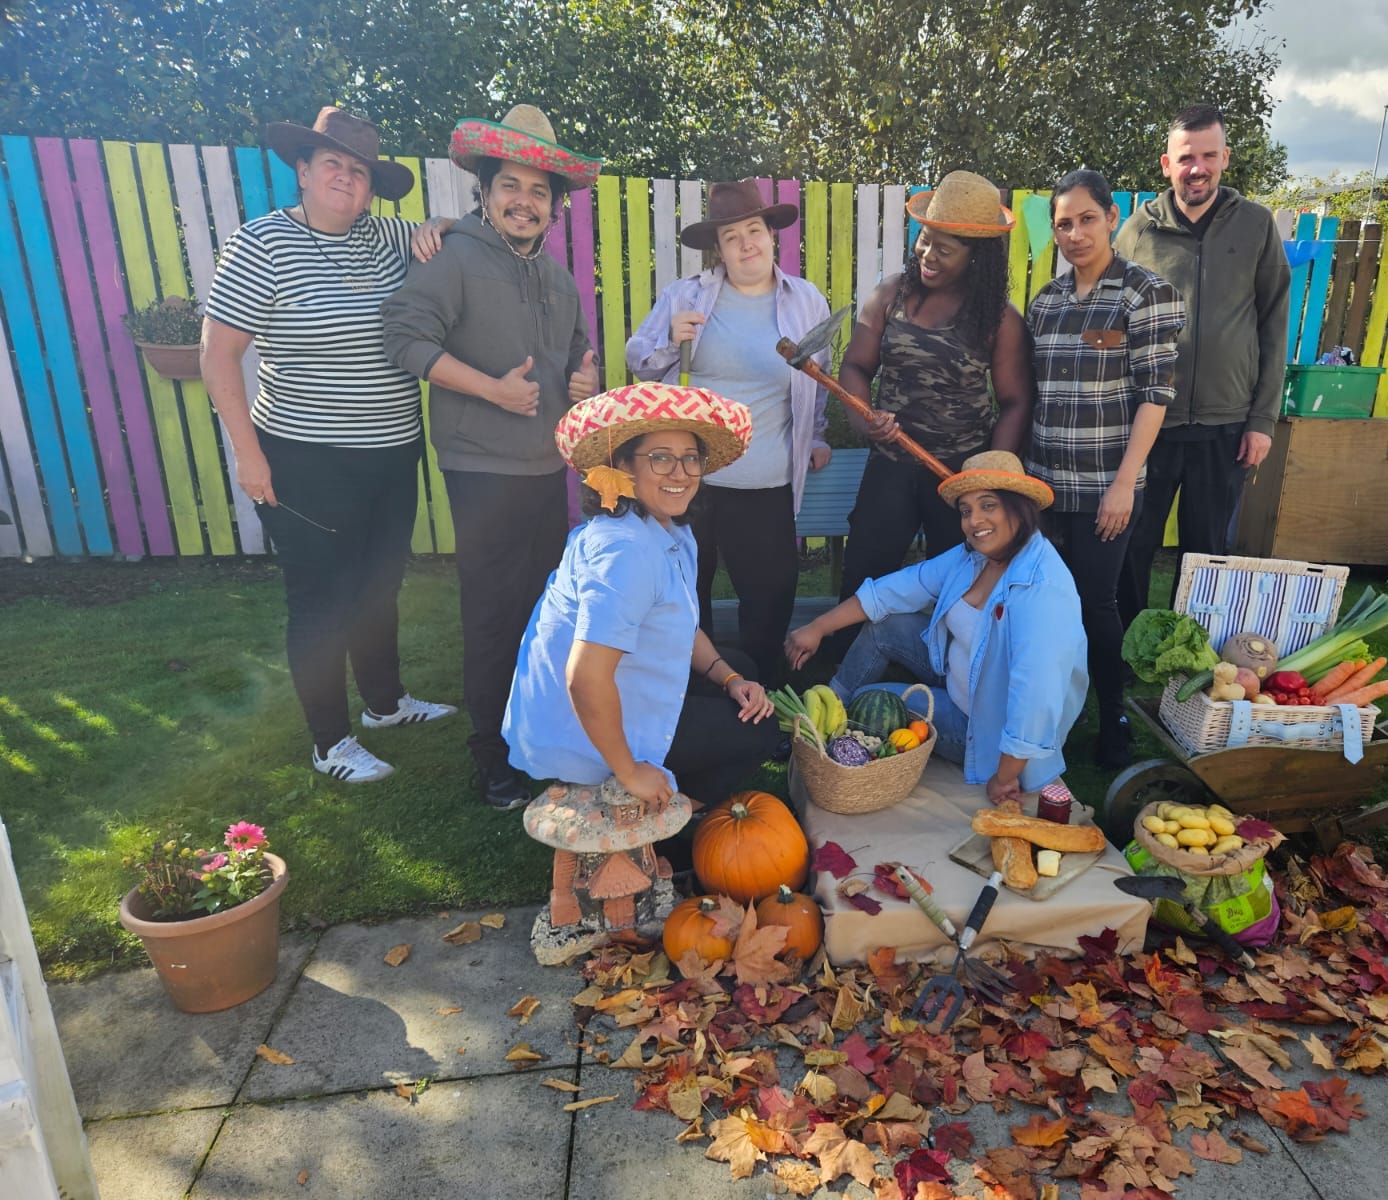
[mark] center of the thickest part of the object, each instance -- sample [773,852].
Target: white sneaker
[409,712]
[351,762]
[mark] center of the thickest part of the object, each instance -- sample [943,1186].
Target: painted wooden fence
[100,456]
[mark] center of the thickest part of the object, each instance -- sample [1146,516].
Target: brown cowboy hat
[996,471]
[730,202]
[965,205]
[338,130]
[524,135]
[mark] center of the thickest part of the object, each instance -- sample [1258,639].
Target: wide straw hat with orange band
[965,205]
[996,471]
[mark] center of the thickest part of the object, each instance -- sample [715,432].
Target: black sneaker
[1113,748]
[503,788]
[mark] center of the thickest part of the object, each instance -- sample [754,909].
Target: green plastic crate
[1312,391]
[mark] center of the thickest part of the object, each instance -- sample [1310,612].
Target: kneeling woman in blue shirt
[615,676]
[993,626]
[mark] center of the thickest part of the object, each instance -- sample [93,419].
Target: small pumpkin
[903,740]
[690,927]
[801,917]
[921,729]
[748,846]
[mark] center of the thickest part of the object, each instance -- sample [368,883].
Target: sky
[1332,85]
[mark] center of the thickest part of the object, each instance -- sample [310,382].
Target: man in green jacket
[1225,256]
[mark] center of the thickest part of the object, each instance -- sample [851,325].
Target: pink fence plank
[91,349]
[557,244]
[584,268]
[788,192]
[130,388]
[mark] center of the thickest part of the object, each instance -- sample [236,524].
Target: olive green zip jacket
[1232,353]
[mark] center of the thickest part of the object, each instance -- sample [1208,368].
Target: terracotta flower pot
[215,962]
[172,362]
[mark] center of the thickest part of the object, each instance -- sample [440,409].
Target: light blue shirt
[1027,676]
[624,582]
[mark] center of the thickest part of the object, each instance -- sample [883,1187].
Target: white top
[962,621]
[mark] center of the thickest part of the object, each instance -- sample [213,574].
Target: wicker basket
[1290,604]
[869,788]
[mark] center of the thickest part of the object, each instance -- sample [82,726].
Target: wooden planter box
[1321,494]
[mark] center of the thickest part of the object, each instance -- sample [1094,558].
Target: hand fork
[944,994]
[989,982]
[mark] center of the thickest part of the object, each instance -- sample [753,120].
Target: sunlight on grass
[92,720]
[41,730]
[144,710]
[15,760]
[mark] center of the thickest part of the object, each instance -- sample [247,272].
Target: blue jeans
[897,639]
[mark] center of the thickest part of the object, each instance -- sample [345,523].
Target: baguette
[1012,855]
[1068,839]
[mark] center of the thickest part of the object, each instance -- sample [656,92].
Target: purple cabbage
[849,752]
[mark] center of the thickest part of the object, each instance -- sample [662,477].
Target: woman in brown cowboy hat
[731,316]
[993,626]
[329,451]
[614,675]
[944,342]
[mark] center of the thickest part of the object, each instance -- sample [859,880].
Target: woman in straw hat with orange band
[953,370]
[615,677]
[993,626]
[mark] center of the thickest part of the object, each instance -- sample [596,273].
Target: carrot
[1359,679]
[1365,695]
[1335,677]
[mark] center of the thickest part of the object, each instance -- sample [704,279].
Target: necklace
[528,256]
[355,285]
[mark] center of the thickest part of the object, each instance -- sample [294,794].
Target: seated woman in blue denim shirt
[614,676]
[993,626]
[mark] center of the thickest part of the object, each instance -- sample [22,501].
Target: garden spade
[1168,887]
[801,354]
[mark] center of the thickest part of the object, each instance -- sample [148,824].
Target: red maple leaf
[884,880]
[1332,1093]
[1192,1013]
[866,903]
[921,1166]
[955,1139]
[1147,1090]
[1099,949]
[1028,1046]
[835,859]
[1252,830]
[860,1053]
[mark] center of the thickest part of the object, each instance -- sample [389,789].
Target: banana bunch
[819,705]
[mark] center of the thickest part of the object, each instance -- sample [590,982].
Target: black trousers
[713,752]
[753,532]
[1210,481]
[1097,566]
[341,581]
[510,533]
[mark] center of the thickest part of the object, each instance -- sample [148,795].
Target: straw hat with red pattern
[591,431]
[524,135]
[996,471]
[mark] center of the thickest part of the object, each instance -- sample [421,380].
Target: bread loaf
[1068,839]
[1012,855]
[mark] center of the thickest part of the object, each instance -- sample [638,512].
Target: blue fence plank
[1303,231]
[1318,290]
[33,381]
[250,173]
[284,184]
[57,338]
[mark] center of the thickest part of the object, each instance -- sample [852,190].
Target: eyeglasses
[664,464]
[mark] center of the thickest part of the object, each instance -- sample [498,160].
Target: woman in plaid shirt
[1105,355]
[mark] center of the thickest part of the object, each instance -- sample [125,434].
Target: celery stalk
[1333,646]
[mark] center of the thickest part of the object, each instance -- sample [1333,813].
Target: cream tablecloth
[920,832]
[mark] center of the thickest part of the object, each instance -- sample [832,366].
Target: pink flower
[245,836]
[215,863]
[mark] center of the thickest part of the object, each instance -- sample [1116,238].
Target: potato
[1191,836]
[1218,810]
[1153,824]
[1249,681]
[1167,840]
[1164,809]
[1227,845]
[1193,820]
[1221,825]
[1197,849]
[1171,827]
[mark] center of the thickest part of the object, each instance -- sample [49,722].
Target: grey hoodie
[491,309]
[1232,354]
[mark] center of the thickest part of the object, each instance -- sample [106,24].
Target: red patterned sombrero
[592,429]
[524,135]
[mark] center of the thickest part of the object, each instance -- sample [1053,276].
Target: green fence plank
[840,245]
[139,278]
[639,256]
[1043,267]
[1019,250]
[817,235]
[610,275]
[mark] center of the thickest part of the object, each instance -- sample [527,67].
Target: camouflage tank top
[938,389]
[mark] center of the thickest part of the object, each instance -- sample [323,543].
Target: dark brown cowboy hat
[337,130]
[731,202]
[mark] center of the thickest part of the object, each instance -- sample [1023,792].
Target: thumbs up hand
[584,382]
[515,393]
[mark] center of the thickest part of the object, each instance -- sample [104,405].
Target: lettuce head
[1161,643]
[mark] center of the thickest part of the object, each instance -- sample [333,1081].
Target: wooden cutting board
[976,853]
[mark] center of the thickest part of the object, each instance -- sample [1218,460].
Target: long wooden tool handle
[789,350]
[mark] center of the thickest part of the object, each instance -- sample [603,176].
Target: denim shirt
[1027,677]
[799,308]
[624,582]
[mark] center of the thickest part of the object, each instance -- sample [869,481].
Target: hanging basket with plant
[167,332]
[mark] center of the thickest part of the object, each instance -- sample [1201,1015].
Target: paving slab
[129,1050]
[151,1158]
[492,1139]
[356,1022]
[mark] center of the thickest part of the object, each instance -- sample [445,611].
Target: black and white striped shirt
[312,301]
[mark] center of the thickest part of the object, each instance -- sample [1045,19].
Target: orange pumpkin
[748,846]
[801,917]
[921,730]
[690,927]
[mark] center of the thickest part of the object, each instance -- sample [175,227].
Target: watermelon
[878,712]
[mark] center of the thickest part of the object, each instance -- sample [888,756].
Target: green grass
[166,707]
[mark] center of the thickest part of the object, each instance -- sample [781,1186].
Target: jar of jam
[1054,802]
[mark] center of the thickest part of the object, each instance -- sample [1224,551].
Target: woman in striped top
[1105,358]
[329,450]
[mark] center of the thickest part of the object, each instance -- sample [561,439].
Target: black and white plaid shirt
[1096,360]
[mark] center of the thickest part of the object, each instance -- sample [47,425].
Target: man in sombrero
[494,324]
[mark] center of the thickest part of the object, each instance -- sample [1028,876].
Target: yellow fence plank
[1375,350]
[639,248]
[139,278]
[817,235]
[1018,250]
[840,245]
[610,273]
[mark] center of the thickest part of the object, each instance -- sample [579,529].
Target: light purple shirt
[799,308]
